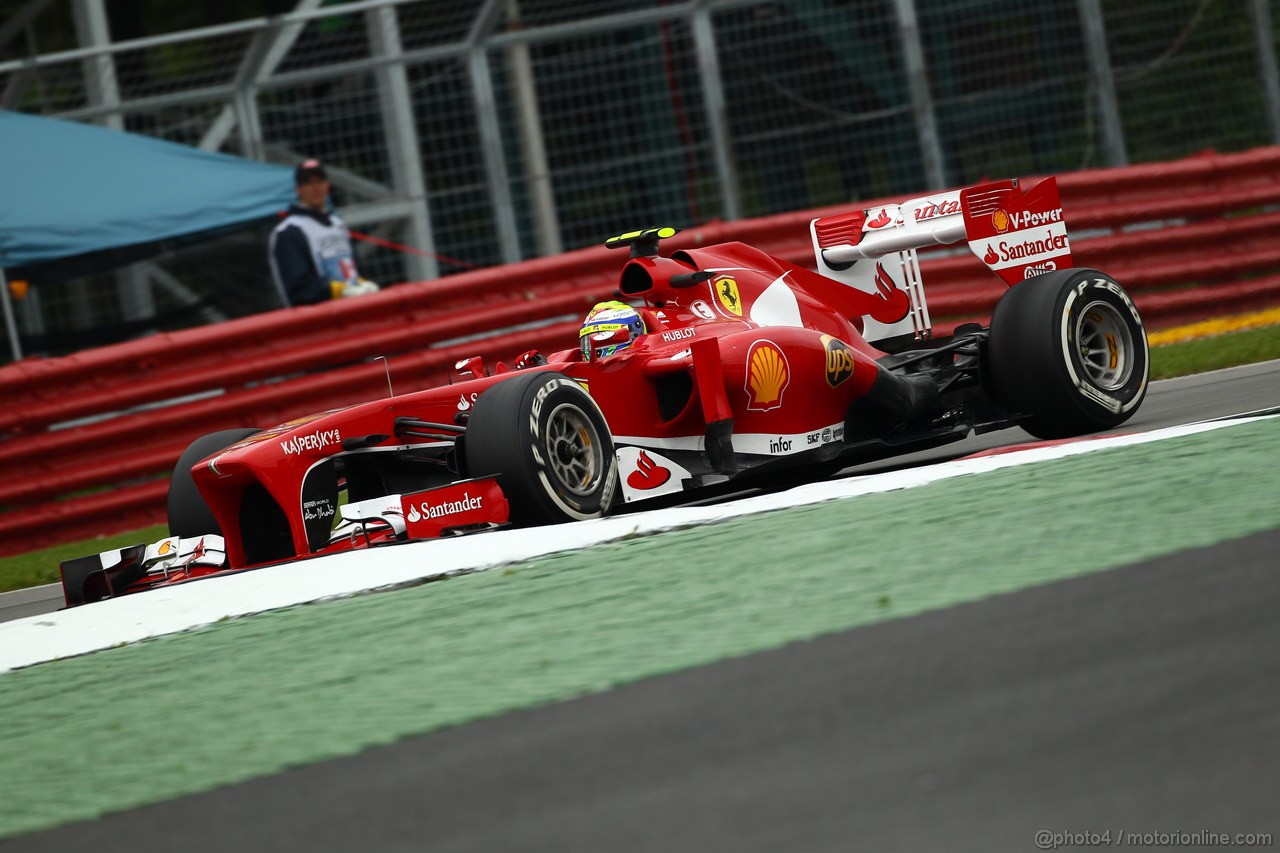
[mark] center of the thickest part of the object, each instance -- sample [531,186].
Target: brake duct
[890,402]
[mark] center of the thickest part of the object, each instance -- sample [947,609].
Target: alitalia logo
[317,440]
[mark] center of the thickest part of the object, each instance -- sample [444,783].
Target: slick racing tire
[547,443]
[189,515]
[1068,350]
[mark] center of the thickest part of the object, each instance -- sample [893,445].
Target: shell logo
[1000,220]
[768,374]
[165,547]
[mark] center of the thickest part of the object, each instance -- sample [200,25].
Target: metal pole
[494,159]
[270,46]
[1104,81]
[402,141]
[99,71]
[704,39]
[935,172]
[132,287]
[243,110]
[1267,64]
[546,221]
[10,325]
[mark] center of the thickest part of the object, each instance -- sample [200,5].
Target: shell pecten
[767,376]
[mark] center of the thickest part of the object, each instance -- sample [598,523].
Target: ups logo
[839,360]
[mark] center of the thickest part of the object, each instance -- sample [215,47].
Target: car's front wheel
[1068,351]
[547,443]
[189,515]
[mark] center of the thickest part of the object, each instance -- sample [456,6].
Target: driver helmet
[610,327]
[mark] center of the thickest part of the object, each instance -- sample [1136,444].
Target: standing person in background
[310,250]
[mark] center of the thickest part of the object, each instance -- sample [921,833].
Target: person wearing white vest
[310,250]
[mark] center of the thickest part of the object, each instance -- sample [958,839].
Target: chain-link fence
[467,133]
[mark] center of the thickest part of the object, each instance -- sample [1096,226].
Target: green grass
[1198,356]
[40,567]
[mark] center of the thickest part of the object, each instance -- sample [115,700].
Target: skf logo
[839,360]
[727,292]
[767,376]
[648,474]
[1000,220]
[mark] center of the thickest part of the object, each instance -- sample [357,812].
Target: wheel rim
[573,449]
[1105,345]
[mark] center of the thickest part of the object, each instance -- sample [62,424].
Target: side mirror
[473,366]
[689,279]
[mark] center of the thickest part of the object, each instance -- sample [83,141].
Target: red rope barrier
[409,250]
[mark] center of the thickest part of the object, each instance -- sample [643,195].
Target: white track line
[46,637]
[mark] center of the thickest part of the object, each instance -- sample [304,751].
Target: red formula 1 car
[750,370]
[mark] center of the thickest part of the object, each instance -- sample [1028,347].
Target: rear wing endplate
[1016,234]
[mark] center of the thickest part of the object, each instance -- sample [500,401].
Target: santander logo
[894,302]
[648,474]
[880,221]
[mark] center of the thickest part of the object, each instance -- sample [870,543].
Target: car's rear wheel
[547,443]
[189,515]
[1069,352]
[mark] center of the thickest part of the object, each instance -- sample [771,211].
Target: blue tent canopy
[69,189]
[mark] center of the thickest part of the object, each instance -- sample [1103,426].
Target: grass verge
[1167,361]
[40,567]
[1214,353]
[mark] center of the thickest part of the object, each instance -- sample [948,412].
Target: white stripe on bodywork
[777,306]
[748,442]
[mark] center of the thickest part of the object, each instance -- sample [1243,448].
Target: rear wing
[1017,234]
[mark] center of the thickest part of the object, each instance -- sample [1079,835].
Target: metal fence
[477,133]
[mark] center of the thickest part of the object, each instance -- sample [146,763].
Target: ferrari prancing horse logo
[727,292]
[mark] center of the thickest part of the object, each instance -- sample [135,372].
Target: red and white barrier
[1190,239]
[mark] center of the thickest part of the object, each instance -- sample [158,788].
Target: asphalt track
[1141,699]
[1169,402]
